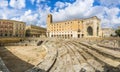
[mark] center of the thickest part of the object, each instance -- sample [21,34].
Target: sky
[35,11]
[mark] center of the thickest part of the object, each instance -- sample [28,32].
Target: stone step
[63,63]
[85,65]
[48,61]
[90,60]
[62,51]
[102,58]
[77,54]
[111,53]
[109,47]
[75,61]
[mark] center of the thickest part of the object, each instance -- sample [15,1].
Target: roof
[77,19]
[36,26]
[11,20]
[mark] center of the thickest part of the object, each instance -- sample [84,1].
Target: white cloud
[93,11]
[113,12]
[7,13]
[38,1]
[28,12]
[75,10]
[85,9]
[28,17]
[32,1]
[17,4]
[36,18]
[3,3]
[110,3]
[4,16]
[62,11]
[43,15]
[60,4]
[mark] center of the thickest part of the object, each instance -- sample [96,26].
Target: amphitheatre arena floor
[21,58]
[59,55]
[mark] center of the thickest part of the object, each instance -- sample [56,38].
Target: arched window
[90,31]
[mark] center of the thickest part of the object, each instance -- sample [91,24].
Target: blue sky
[35,11]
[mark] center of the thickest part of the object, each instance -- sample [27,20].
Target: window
[90,31]
[5,34]
[79,30]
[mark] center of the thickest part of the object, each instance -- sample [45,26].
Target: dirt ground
[21,58]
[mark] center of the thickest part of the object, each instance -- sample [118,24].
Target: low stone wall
[10,40]
[112,42]
[25,43]
[21,44]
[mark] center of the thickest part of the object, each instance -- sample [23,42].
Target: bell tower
[49,19]
[49,22]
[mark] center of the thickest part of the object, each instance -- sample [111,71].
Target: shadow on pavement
[13,63]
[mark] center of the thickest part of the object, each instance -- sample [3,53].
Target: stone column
[94,28]
[118,43]
[85,29]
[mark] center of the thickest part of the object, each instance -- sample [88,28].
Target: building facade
[89,27]
[108,32]
[11,28]
[35,31]
[118,27]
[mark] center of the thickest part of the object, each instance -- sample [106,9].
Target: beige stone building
[107,32]
[118,27]
[89,27]
[35,31]
[12,28]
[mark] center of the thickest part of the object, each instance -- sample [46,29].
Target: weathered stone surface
[79,55]
[3,68]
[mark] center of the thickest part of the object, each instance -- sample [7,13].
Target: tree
[117,32]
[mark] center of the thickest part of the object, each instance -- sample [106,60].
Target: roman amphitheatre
[61,55]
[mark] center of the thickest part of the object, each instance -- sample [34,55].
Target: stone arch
[90,31]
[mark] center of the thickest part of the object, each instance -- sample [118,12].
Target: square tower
[49,19]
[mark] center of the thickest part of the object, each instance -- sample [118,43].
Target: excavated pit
[21,58]
[58,55]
